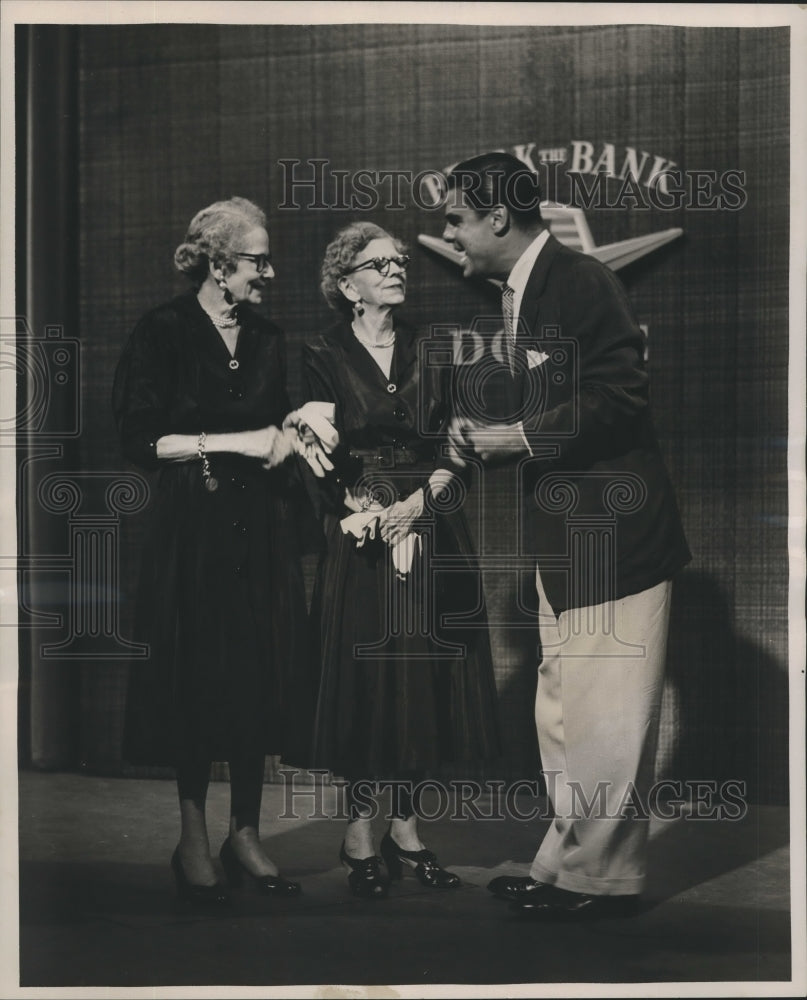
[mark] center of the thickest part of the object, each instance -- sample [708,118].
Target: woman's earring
[223,286]
[359,308]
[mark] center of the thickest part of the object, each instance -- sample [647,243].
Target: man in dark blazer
[599,514]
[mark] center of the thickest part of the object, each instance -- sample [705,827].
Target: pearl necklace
[225,323]
[371,343]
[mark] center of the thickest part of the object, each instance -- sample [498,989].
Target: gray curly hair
[213,237]
[340,255]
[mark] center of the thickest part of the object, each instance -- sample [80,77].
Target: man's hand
[491,442]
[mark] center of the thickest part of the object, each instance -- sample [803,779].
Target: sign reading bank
[604,175]
[581,156]
[581,176]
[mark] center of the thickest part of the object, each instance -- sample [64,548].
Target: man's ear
[499,219]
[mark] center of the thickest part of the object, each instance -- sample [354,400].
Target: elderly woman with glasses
[200,395]
[404,689]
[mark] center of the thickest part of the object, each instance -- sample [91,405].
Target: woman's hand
[257,444]
[270,445]
[282,445]
[398,518]
[353,503]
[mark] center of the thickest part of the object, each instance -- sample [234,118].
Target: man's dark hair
[498,179]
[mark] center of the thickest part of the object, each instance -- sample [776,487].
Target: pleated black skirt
[407,681]
[221,605]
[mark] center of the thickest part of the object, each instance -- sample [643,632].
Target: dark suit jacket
[598,508]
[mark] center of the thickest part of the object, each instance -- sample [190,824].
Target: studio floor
[98,905]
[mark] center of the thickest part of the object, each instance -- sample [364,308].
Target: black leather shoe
[512,887]
[425,866]
[267,885]
[364,875]
[198,895]
[552,903]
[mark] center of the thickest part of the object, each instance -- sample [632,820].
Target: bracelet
[211,483]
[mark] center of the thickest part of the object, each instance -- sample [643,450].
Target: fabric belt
[387,456]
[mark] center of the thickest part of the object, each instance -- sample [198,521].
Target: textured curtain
[46,349]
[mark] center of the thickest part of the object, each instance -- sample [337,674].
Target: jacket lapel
[529,318]
[403,357]
[360,359]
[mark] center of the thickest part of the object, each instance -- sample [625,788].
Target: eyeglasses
[382,264]
[260,260]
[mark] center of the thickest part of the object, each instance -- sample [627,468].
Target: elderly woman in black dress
[200,395]
[401,692]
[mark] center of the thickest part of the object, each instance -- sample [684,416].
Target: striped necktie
[509,334]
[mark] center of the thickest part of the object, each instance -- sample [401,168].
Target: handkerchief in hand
[362,525]
[403,552]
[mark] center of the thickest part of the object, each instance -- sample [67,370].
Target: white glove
[313,453]
[315,420]
[316,436]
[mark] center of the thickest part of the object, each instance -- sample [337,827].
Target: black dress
[407,682]
[221,600]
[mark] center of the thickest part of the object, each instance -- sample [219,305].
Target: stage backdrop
[169,118]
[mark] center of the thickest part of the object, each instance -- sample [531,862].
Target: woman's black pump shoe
[199,895]
[424,865]
[267,885]
[364,875]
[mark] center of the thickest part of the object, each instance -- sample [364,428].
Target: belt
[387,456]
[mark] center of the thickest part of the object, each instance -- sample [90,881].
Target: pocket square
[535,358]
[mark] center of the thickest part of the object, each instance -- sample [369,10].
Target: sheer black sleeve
[318,384]
[141,392]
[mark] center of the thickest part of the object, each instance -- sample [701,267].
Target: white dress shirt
[517,280]
[520,275]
